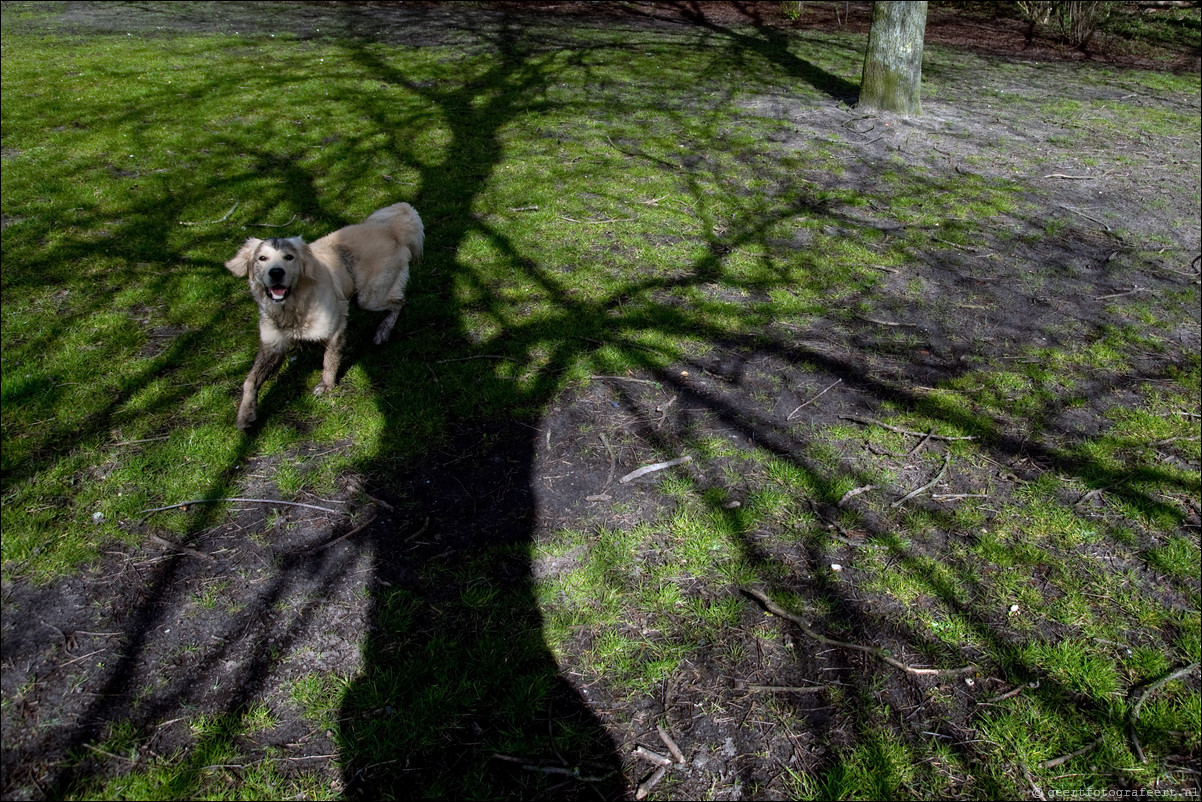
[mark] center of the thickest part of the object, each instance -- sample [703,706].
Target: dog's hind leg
[266,362]
[396,301]
[385,330]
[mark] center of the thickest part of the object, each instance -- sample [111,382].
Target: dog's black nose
[276,274]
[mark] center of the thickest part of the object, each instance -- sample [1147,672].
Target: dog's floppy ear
[240,264]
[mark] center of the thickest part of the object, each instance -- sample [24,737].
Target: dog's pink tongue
[278,293]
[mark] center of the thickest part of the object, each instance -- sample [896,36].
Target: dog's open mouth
[278,294]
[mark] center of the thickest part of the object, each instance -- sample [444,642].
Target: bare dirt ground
[139,639]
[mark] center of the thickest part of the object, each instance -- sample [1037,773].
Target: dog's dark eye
[262,258]
[288,257]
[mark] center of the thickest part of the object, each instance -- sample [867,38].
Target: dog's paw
[322,389]
[246,418]
[382,337]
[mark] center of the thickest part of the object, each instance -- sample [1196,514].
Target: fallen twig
[478,356]
[659,466]
[340,538]
[627,379]
[380,501]
[1060,761]
[850,494]
[874,422]
[1168,440]
[812,400]
[918,446]
[957,496]
[570,771]
[668,742]
[784,688]
[171,544]
[272,225]
[646,786]
[613,466]
[1083,214]
[218,220]
[1072,177]
[100,751]
[523,208]
[947,460]
[1139,702]
[143,440]
[153,510]
[1012,692]
[654,757]
[1131,291]
[1035,789]
[879,654]
[597,222]
[883,322]
[955,245]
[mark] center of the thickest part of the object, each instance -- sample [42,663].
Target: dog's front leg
[331,361]
[266,362]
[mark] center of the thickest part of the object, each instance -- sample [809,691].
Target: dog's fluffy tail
[405,224]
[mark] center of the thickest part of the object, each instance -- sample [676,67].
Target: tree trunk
[893,61]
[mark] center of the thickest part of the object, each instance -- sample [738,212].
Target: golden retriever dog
[304,291]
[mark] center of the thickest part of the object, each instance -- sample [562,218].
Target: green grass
[616,205]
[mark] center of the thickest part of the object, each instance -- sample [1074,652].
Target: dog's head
[274,265]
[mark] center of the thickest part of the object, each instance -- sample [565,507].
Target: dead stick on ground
[947,460]
[954,245]
[646,786]
[153,510]
[659,466]
[784,688]
[879,654]
[479,356]
[855,491]
[654,757]
[626,379]
[597,222]
[1083,214]
[171,544]
[100,751]
[1010,693]
[1121,294]
[812,400]
[1139,702]
[918,446]
[272,225]
[570,771]
[218,220]
[668,742]
[613,464]
[1060,761]
[875,422]
[351,533]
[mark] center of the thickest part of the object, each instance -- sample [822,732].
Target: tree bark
[893,61]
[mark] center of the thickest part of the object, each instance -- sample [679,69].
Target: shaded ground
[271,595]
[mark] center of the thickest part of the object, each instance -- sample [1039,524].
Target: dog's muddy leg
[266,362]
[385,330]
[329,365]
